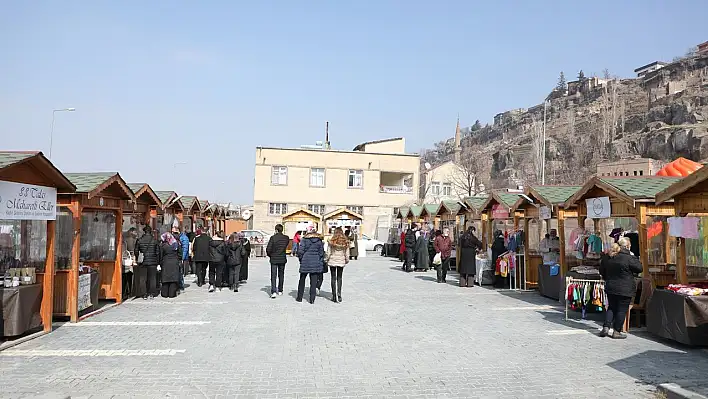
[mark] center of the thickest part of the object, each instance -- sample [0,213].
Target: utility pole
[543,146]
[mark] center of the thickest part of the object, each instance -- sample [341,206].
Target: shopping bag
[437,260]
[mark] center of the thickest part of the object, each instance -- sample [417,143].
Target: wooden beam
[116,281]
[561,235]
[47,309]
[73,292]
[643,242]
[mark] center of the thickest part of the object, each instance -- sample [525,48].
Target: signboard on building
[598,208]
[500,212]
[84,301]
[545,212]
[27,202]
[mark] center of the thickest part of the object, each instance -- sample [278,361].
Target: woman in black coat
[467,268]
[169,264]
[618,268]
[498,248]
[243,275]
[149,247]
[234,260]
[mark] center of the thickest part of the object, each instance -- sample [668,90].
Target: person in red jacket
[296,243]
[402,250]
[443,246]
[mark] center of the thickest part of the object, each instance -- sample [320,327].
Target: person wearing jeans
[337,258]
[443,246]
[277,245]
[200,255]
[311,255]
[618,268]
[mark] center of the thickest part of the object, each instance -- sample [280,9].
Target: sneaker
[273,295]
[604,331]
[618,335]
[211,288]
[280,293]
[317,292]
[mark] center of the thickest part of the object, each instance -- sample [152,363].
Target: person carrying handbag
[338,254]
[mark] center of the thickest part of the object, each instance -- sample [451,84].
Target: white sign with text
[27,202]
[545,212]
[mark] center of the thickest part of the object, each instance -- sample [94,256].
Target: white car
[256,236]
[371,244]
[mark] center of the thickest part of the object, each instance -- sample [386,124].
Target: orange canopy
[681,167]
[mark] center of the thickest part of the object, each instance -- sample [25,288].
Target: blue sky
[160,82]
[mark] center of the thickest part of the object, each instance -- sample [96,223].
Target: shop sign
[598,208]
[27,202]
[84,301]
[545,212]
[499,212]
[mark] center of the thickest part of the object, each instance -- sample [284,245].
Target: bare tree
[610,114]
[466,177]
[538,155]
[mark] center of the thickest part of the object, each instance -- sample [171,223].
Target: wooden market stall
[301,218]
[429,215]
[29,183]
[450,214]
[415,212]
[498,214]
[627,206]
[208,215]
[97,215]
[191,213]
[542,212]
[170,211]
[344,218]
[473,217]
[143,212]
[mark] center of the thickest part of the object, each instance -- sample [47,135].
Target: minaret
[458,141]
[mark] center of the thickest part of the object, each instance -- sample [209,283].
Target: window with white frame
[447,189]
[356,179]
[358,209]
[279,175]
[318,209]
[435,188]
[317,177]
[275,208]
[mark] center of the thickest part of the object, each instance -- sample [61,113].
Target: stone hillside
[662,115]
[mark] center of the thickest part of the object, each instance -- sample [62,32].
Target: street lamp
[51,134]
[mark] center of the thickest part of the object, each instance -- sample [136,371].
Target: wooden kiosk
[170,209]
[28,239]
[541,208]
[415,214]
[301,217]
[97,212]
[343,218]
[190,212]
[144,210]
[473,217]
[429,215]
[498,209]
[631,198]
[403,217]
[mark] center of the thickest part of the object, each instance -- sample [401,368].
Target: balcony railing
[396,189]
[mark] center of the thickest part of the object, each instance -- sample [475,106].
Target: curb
[674,391]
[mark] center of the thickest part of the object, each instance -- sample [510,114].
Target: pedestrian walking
[296,242]
[234,260]
[244,266]
[618,269]
[443,246]
[170,254]
[190,236]
[128,259]
[409,241]
[200,255]
[353,244]
[421,252]
[217,258]
[147,250]
[467,261]
[338,256]
[277,245]
[311,255]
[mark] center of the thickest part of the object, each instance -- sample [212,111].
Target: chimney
[458,141]
[326,143]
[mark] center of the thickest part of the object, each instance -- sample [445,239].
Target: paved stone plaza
[395,335]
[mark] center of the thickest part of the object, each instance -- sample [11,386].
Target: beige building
[443,183]
[630,167]
[371,180]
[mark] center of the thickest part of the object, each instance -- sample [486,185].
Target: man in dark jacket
[275,250]
[217,260]
[200,255]
[410,247]
[311,255]
[149,248]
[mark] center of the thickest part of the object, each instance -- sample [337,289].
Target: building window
[635,173]
[435,188]
[447,189]
[317,177]
[641,173]
[318,209]
[279,176]
[356,209]
[356,179]
[395,211]
[277,208]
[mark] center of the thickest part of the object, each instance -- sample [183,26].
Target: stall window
[98,236]
[134,221]
[23,243]
[697,253]
[64,238]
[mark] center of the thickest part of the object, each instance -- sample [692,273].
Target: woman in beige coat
[337,258]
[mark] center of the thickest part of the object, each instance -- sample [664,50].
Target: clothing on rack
[686,227]
[586,295]
[506,264]
[516,241]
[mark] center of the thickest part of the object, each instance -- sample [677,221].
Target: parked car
[256,236]
[371,244]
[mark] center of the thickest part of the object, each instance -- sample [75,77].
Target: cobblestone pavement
[395,335]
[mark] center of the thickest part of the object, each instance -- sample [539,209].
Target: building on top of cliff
[507,117]
[585,86]
[643,70]
[702,48]
[630,167]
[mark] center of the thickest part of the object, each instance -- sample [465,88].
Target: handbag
[437,259]
[141,258]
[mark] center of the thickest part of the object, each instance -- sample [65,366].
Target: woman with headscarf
[234,260]
[469,245]
[337,258]
[243,274]
[409,240]
[129,240]
[498,248]
[353,244]
[169,264]
[311,255]
[422,258]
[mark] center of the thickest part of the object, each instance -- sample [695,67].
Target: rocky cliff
[662,115]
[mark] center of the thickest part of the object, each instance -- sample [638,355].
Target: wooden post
[485,233]
[73,300]
[681,274]
[116,281]
[643,243]
[561,235]
[47,308]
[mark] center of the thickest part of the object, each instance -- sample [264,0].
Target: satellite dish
[246,214]
[427,166]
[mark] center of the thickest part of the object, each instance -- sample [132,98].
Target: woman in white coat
[337,258]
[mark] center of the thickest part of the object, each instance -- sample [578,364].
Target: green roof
[453,206]
[432,209]
[507,199]
[556,194]
[403,211]
[8,158]
[135,187]
[641,187]
[475,202]
[164,195]
[188,201]
[416,210]
[87,182]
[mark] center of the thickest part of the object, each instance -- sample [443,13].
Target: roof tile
[8,158]
[641,187]
[556,194]
[87,182]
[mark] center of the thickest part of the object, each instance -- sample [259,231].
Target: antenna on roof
[327,135]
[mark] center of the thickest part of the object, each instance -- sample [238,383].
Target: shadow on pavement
[426,278]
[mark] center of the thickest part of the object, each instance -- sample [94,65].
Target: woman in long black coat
[169,264]
[469,245]
[422,259]
[618,269]
[243,274]
[498,248]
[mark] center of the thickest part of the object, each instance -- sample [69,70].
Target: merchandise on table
[589,270]
[690,289]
